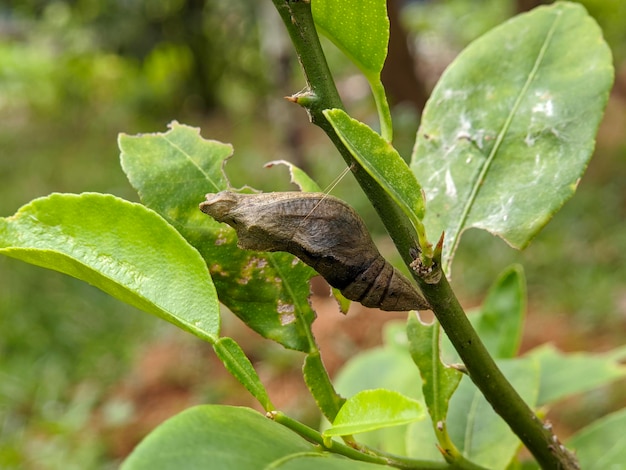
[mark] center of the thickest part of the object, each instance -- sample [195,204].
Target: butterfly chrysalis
[325,233]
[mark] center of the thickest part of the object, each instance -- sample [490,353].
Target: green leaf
[602,444]
[298,176]
[510,127]
[501,317]
[322,389]
[216,436]
[482,436]
[342,302]
[439,381]
[374,409]
[361,31]
[324,461]
[124,249]
[172,171]
[499,320]
[499,324]
[384,164]
[387,367]
[238,364]
[422,443]
[561,373]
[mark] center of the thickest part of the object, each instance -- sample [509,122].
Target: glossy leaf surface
[326,462]
[322,389]
[215,436]
[510,126]
[238,364]
[477,431]
[561,373]
[501,316]
[383,163]
[602,444]
[124,249]
[439,381]
[389,366]
[360,29]
[369,410]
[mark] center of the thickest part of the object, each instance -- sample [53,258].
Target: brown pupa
[325,233]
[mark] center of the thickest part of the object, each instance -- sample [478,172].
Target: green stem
[322,94]
[363,455]
[484,372]
[382,106]
[321,387]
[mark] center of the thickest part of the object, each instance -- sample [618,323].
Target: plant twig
[322,94]
[362,454]
[482,369]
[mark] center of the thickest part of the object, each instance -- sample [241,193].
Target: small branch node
[429,274]
[306,98]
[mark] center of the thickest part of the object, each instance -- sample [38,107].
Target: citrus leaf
[482,436]
[216,436]
[124,249]
[369,410]
[322,389]
[510,127]
[326,461]
[561,373]
[238,364]
[342,302]
[359,29]
[602,444]
[298,176]
[500,318]
[439,381]
[422,443]
[498,323]
[172,172]
[384,164]
[390,367]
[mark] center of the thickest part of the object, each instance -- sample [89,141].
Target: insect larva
[325,233]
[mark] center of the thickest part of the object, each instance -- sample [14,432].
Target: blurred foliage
[587,235]
[73,74]
[440,19]
[610,15]
[160,57]
[442,28]
[63,345]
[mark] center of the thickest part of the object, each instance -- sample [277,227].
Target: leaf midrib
[498,143]
[190,158]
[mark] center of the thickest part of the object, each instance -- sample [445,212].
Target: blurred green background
[82,376]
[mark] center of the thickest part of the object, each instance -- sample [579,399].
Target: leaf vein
[498,143]
[189,157]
